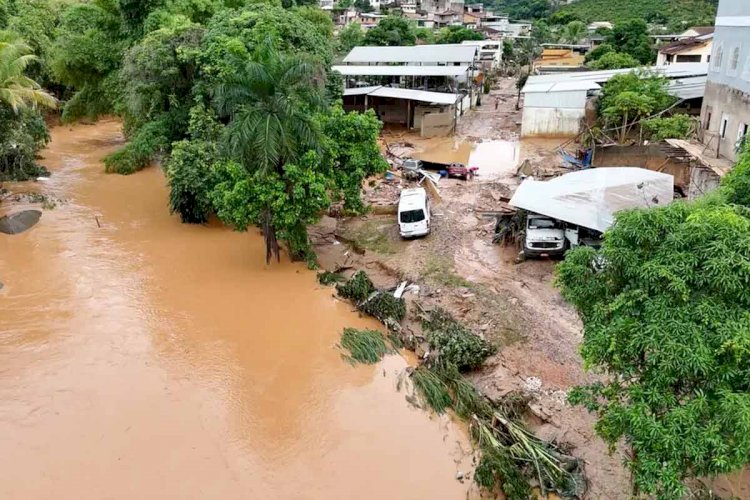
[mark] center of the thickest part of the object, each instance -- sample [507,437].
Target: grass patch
[439,270]
[385,307]
[457,345]
[364,346]
[375,235]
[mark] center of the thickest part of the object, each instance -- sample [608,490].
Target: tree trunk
[624,131]
[269,235]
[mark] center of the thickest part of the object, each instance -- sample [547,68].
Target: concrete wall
[574,99]
[720,103]
[437,124]
[650,157]
[421,110]
[551,122]
[702,180]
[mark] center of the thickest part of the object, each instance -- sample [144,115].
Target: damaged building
[426,88]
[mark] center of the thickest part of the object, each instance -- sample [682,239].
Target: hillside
[691,12]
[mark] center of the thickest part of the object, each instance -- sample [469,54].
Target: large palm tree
[16,89]
[270,103]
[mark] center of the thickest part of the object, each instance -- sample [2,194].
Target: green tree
[666,322]
[352,35]
[736,184]
[86,57]
[18,91]
[574,32]
[631,37]
[352,145]
[363,5]
[191,171]
[273,138]
[626,98]
[679,126]
[425,35]
[457,34]
[597,53]
[391,31]
[614,60]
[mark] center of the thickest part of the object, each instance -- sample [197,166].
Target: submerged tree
[270,103]
[666,314]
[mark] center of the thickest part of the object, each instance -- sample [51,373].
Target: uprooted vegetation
[512,459]
[364,346]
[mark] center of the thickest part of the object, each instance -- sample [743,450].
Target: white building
[490,52]
[687,50]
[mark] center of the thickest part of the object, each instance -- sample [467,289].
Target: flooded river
[144,358]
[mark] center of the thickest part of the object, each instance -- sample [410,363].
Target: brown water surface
[150,359]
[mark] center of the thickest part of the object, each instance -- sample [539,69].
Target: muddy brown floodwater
[146,358]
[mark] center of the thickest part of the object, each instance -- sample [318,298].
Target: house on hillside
[560,57]
[687,50]
[725,116]
[490,53]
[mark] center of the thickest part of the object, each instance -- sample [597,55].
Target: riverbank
[144,357]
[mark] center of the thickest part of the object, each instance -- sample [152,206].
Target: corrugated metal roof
[682,70]
[412,95]
[688,79]
[413,54]
[532,88]
[416,95]
[688,88]
[402,70]
[361,90]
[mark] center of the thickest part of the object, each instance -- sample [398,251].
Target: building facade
[725,115]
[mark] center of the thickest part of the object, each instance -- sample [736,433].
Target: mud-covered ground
[514,305]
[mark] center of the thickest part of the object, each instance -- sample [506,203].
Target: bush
[21,137]
[614,60]
[385,307]
[456,344]
[357,289]
[673,127]
[138,153]
[191,179]
[736,184]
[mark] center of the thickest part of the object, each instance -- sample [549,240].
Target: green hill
[669,12]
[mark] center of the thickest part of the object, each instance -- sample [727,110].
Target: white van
[413,213]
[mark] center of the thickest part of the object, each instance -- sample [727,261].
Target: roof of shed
[411,95]
[413,54]
[682,45]
[401,70]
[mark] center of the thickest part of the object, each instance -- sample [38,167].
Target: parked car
[411,166]
[413,213]
[544,236]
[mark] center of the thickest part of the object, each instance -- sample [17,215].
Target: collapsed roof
[590,198]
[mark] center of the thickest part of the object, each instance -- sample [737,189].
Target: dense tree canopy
[391,31]
[666,315]
[457,34]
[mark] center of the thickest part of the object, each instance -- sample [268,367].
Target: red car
[461,171]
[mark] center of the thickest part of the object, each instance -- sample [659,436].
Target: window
[741,132]
[718,57]
[734,60]
[707,121]
[412,216]
[723,128]
[688,59]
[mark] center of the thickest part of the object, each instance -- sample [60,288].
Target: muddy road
[140,357]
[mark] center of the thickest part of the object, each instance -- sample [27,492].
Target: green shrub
[191,179]
[328,278]
[364,346]
[674,127]
[456,344]
[736,184]
[357,289]
[140,151]
[385,307]
[22,135]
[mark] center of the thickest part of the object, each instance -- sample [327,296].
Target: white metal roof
[544,87]
[688,88]
[412,95]
[453,53]
[686,79]
[402,70]
[590,198]
[361,90]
